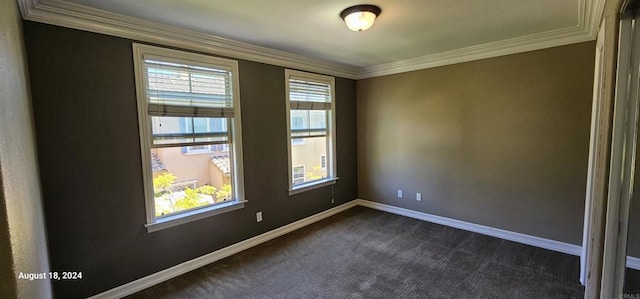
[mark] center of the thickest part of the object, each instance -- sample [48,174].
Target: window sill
[312,185]
[186,217]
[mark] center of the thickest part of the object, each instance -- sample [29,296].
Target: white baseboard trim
[632,262]
[164,275]
[477,228]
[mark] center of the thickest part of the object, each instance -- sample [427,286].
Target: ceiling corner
[595,16]
[26,6]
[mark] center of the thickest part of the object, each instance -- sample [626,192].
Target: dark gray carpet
[632,283]
[364,253]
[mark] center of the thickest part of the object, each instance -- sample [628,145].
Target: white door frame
[597,172]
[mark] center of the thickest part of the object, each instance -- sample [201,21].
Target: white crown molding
[85,18]
[81,17]
[586,30]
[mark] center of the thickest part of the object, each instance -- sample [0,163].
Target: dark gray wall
[23,246]
[501,142]
[86,123]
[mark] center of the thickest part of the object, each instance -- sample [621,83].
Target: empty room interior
[319,149]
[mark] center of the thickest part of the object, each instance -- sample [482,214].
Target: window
[310,130]
[189,120]
[298,174]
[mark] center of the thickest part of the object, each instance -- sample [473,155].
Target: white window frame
[144,122]
[331,132]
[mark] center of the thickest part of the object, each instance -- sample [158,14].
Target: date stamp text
[54,275]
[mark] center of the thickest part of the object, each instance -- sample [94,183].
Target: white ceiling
[309,34]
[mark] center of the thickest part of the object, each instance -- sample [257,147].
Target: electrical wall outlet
[333,200]
[259,217]
[419,196]
[399,193]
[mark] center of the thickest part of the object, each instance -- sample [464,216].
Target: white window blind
[176,88]
[309,95]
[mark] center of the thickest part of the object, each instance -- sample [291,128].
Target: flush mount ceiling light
[360,17]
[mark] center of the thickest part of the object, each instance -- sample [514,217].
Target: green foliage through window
[168,200]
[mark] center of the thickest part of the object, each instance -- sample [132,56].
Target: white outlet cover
[259,217]
[399,193]
[419,196]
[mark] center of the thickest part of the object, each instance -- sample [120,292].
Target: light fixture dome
[360,17]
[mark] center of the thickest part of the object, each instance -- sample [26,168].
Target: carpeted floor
[364,253]
[632,284]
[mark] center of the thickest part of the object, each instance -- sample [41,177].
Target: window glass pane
[200,124]
[318,119]
[183,182]
[172,130]
[308,155]
[308,122]
[299,120]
